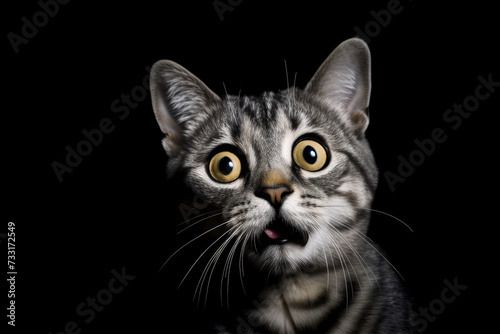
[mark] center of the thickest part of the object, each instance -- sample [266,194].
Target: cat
[291,177]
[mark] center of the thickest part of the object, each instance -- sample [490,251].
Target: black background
[115,209]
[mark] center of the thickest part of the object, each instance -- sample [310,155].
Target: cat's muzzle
[279,232]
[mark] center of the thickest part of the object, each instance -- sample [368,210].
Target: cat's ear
[343,82]
[181,102]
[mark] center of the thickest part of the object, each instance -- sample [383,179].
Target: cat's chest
[306,299]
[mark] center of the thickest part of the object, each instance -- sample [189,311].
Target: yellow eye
[225,167]
[310,155]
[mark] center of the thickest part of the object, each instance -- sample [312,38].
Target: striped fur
[338,281]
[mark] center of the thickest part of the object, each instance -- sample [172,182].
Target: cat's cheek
[255,217]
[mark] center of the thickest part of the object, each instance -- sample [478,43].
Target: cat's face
[291,172]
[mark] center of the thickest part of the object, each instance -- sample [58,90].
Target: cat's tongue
[278,233]
[273,234]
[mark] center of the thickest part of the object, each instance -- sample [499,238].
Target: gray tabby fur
[338,282]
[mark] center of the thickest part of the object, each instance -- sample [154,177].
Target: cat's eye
[225,167]
[310,155]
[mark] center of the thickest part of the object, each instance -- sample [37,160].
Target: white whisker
[286,73]
[199,216]
[241,264]
[225,90]
[327,270]
[393,217]
[201,220]
[201,255]
[212,263]
[227,267]
[370,242]
[192,240]
[363,263]
[369,209]
[343,264]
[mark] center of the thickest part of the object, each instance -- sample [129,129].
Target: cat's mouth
[279,232]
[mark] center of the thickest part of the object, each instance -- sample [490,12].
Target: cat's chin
[279,253]
[277,259]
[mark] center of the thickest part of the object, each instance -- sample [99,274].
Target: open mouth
[279,232]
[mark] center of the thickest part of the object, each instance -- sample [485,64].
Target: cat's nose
[274,187]
[275,194]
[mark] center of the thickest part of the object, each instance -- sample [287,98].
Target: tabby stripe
[359,166]
[337,316]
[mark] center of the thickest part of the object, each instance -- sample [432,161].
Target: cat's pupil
[309,155]
[226,166]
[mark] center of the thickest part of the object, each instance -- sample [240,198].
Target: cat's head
[291,171]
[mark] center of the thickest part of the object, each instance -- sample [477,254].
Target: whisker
[358,256]
[369,209]
[355,252]
[201,215]
[286,73]
[326,260]
[370,243]
[241,264]
[342,253]
[211,264]
[393,217]
[239,98]
[343,264]
[192,240]
[335,273]
[327,271]
[367,239]
[215,258]
[254,242]
[227,265]
[201,255]
[201,220]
